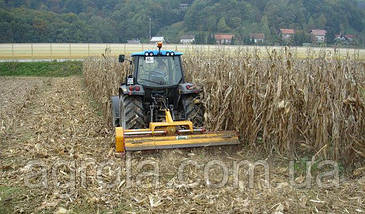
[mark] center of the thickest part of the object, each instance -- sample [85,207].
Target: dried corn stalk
[274,99]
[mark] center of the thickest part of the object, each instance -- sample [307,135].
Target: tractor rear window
[159,71]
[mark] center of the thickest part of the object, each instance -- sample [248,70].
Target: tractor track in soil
[59,127]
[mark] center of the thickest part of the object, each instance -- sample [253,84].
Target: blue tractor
[155,83]
[157,109]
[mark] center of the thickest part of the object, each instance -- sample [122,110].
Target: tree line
[121,20]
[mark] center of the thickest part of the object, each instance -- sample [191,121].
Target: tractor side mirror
[121,58]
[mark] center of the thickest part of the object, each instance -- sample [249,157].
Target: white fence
[17,51]
[80,50]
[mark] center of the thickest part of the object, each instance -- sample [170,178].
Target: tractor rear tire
[193,111]
[131,112]
[114,105]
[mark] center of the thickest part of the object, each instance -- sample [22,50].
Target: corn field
[279,103]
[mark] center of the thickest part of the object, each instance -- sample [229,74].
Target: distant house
[350,37]
[342,37]
[345,39]
[257,38]
[157,39]
[134,41]
[318,35]
[187,39]
[287,34]
[184,6]
[223,38]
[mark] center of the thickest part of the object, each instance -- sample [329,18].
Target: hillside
[120,20]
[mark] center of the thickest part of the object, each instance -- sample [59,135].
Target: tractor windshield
[159,70]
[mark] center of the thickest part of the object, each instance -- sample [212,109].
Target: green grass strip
[44,69]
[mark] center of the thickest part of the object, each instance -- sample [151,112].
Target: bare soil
[14,91]
[75,167]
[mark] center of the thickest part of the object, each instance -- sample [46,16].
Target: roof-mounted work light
[159,46]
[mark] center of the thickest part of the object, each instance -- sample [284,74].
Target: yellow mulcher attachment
[170,134]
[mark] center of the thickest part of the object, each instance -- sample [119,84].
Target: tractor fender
[124,89]
[188,88]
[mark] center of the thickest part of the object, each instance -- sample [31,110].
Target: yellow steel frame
[169,128]
[170,125]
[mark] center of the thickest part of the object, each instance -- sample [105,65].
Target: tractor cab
[155,68]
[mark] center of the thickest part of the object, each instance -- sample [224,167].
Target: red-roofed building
[318,35]
[257,38]
[344,38]
[287,34]
[350,36]
[223,38]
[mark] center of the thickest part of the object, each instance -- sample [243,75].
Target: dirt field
[14,90]
[75,169]
[15,94]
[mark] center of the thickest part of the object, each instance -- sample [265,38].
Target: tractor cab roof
[157,53]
